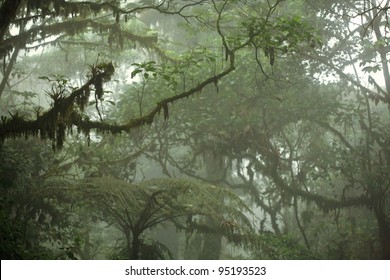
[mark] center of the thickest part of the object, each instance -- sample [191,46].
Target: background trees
[280,106]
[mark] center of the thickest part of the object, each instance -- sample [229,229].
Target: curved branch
[17,127]
[323,202]
[337,133]
[148,118]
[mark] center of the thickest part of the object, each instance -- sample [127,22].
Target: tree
[136,208]
[301,140]
[32,225]
[67,107]
[283,148]
[360,48]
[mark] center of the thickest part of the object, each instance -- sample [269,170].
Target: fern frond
[144,205]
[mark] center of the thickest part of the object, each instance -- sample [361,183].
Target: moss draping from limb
[54,123]
[66,111]
[73,27]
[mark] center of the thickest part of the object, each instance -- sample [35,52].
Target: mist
[194,130]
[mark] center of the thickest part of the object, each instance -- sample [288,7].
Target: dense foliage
[194,129]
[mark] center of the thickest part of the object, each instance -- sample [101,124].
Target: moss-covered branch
[64,114]
[73,27]
[54,123]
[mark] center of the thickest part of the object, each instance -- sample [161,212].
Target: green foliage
[135,208]
[281,247]
[284,35]
[157,200]
[28,221]
[291,124]
[146,69]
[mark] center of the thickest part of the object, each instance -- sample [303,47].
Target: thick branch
[148,119]
[16,127]
[323,202]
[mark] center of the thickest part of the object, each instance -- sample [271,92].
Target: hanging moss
[116,35]
[54,123]
[82,99]
[67,8]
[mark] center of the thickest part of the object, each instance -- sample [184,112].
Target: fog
[194,130]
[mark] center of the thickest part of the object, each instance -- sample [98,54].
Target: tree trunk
[384,230]
[8,70]
[212,243]
[135,247]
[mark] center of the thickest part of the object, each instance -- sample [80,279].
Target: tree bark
[383,228]
[212,244]
[8,70]
[135,247]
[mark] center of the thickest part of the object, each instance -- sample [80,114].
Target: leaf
[44,78]
[135,72]
[369,69]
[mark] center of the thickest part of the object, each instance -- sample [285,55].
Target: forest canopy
[194,129]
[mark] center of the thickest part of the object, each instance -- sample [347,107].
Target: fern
[133,208]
